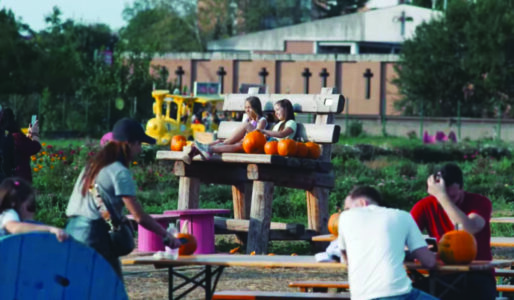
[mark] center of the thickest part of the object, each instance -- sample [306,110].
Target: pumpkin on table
[314,150]
[271,148]
[254,142]
[178,142]
[333,223]
[286,147]
[301,149]
[189,247]
[457,247]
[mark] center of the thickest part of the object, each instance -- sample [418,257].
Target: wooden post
[260,217]
[188,192]
[242,198]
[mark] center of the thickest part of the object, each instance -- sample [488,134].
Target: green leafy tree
[465,56]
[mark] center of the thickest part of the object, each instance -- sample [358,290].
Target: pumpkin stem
[457,226]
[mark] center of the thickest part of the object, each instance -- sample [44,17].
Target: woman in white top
[286,127]
[252,120]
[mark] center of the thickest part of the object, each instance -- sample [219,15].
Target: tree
[463,57]
[328,8]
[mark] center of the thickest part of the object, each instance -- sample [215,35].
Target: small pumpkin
[286,147]
[178,142]
[301,149]
[314,150]
[254,142]
[333,223]
[271,148]
[189,247]
[457,247]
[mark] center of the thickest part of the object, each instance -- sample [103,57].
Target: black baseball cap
[129,130]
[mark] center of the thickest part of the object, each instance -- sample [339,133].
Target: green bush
[354,128]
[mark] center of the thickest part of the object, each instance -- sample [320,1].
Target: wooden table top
[504,220]
[286,261]
[496,241]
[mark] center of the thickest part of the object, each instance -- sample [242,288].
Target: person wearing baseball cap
[109,169]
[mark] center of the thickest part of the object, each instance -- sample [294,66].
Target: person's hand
[172,241]
[59,233]
[436,186]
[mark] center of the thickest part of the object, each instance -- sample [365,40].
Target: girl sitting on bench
[17,206]
[286,127]
[252,120]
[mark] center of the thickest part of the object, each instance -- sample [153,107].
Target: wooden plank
[242,199]
[260,217]
[505,288]
[262,295]
[503,220]
[244,225]
[318,133]
[188,193]
[293,178]
[317,209]
[302,103]
[309,284]
[212,172]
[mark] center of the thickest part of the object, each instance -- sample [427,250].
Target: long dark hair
[255,104]
[288,107]
[8,121]
[112,152]
[14,191]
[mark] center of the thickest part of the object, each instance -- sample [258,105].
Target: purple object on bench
[428,139]
[452,136]
[440,136]
[200,225]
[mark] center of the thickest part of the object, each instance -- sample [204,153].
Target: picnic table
[214,264]
[496,241]
[502,220]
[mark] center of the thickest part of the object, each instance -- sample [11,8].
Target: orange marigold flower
[33,158]
[43,153]
[52,166]
[43,144]
[36,169]
[52,159]
[64,158]
[134,163]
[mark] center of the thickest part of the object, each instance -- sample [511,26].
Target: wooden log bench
[254,176]
[37,266]
[261,295]
[319,286]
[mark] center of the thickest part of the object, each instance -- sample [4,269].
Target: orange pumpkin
[271,148]
[178,142]
[254,142]
[457,247]
[189,247]
[314,150]
[301,150]
[286,147]
[333,223]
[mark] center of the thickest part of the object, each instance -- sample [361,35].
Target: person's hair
[288,107]
[256,106]
[8,121]
[14,191]
[451,174]
[112,152]
[367,192]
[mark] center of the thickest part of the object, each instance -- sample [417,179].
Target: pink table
[149,241]
[200,225]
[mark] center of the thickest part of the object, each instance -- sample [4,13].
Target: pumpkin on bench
[253,176]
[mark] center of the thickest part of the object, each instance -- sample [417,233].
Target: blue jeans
[414,294]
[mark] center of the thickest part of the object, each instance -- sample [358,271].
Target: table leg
[207,279]
[448,283]
[260,217]
[188,192]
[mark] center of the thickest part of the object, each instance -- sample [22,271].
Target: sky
[33,12]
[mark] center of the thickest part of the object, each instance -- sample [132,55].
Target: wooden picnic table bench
[254,176]
[263,295]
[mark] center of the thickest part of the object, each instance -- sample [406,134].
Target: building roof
[382,25]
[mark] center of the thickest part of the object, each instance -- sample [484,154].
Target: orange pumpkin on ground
[457,247]
[333,223]
[189,247]
[286,147]
[254,142]
[178,142]
[271,148]
[301,149]
[314,150]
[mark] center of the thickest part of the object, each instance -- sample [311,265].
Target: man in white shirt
[373,240]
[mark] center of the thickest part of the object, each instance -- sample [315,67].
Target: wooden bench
[319,286]
[37,266]
[260,295]
[254,176]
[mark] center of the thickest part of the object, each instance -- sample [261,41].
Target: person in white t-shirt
[16,208]
[372,240]
[286,127]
